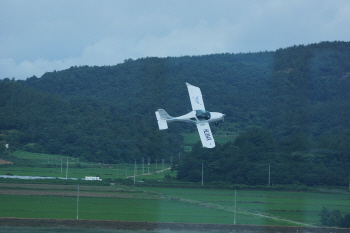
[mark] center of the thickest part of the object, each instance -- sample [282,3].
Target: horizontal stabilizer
[164,115]
[162,124]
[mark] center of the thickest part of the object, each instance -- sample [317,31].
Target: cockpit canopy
[202,115]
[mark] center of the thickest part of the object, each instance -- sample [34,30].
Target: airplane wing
[206,135]
[195,97]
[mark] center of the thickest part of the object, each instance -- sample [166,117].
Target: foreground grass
[82,230]
[124,203]
[121,209]
[68,230]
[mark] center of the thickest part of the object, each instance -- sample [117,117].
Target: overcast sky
[41,36]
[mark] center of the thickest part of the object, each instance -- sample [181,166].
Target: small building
[93,178]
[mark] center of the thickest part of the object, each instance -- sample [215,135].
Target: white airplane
[199,116]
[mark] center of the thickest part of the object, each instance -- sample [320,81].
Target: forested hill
[107,113]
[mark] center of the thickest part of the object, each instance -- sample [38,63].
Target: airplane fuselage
[199,116]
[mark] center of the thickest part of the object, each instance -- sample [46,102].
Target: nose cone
[217,115]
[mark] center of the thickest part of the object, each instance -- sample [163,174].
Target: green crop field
[121,209]
[151,204]
[147,204]
[117,203]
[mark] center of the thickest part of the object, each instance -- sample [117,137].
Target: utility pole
[67,170]
[78,203]
[143,165]
[117,172]
[149,160]
[269,174]
[234,216]
[156,165]
[61,164]
[135,173]
[202,173]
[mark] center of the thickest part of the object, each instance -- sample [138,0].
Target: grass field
[118,203]
[120,209]
[147,204]
[123,204]
[152,204]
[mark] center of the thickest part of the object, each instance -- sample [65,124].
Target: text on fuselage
[207,134]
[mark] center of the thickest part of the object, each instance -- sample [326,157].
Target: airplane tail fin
[162,117]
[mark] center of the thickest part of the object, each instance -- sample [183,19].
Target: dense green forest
[255,158]
[291,109]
